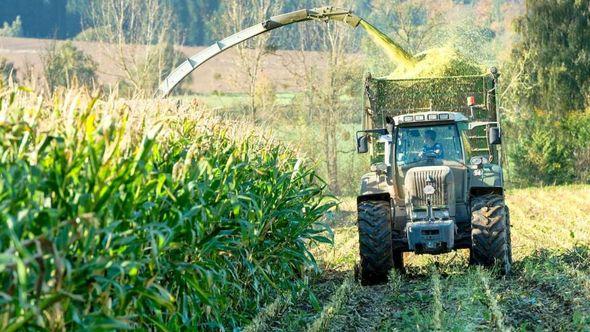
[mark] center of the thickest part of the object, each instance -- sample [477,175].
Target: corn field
[144,215]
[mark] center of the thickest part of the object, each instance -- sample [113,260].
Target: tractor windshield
[437,142]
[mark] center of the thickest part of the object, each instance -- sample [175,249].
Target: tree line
[64,19]
[547,94]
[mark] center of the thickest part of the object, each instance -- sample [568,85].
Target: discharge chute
[192,63]
[396,53]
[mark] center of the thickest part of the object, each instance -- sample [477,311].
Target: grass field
[549,288]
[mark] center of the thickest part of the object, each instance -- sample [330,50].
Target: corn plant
[114,219]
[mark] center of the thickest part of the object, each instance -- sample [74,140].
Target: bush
[547,150]
[115,220]
[12,30]
[145,76]
[265,95]
[67,66]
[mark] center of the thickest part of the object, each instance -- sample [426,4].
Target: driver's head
[430,137]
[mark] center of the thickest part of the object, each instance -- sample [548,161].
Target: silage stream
[436,62]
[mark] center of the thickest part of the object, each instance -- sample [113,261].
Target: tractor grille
[417,178]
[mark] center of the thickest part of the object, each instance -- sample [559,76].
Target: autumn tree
[138,36]
[412,23]
[236,15]
[331,95]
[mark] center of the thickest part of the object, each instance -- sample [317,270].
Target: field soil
[221,74]
[549,288]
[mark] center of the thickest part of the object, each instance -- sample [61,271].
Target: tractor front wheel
[490,232]
[375,241]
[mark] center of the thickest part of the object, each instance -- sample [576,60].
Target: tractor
[435,183]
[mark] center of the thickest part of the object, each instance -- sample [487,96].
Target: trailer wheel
[490,233]
[375,241]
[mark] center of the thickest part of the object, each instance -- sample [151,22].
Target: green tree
[12,30]
[548,84]
[43,18]
[551,62]
[67,66]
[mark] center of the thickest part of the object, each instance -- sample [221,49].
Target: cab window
[442,142]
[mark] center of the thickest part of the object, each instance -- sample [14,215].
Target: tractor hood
[449,180]
[417,182]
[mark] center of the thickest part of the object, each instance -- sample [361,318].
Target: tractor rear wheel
[490,233]
[375,241]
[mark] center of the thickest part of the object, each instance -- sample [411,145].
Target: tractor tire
[490,233]
[375,242]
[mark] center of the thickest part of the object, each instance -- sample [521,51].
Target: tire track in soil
[300,314]
[333,307]
[550,292]
[442,297]
[333,261]
[364,309]
[403,303]
[410,302]
[429,297]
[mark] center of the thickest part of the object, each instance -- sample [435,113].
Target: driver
[430,145]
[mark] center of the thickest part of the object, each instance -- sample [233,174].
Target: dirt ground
[220,74]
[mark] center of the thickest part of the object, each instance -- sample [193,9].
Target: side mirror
[390,124]
[494,137]
[362,144]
